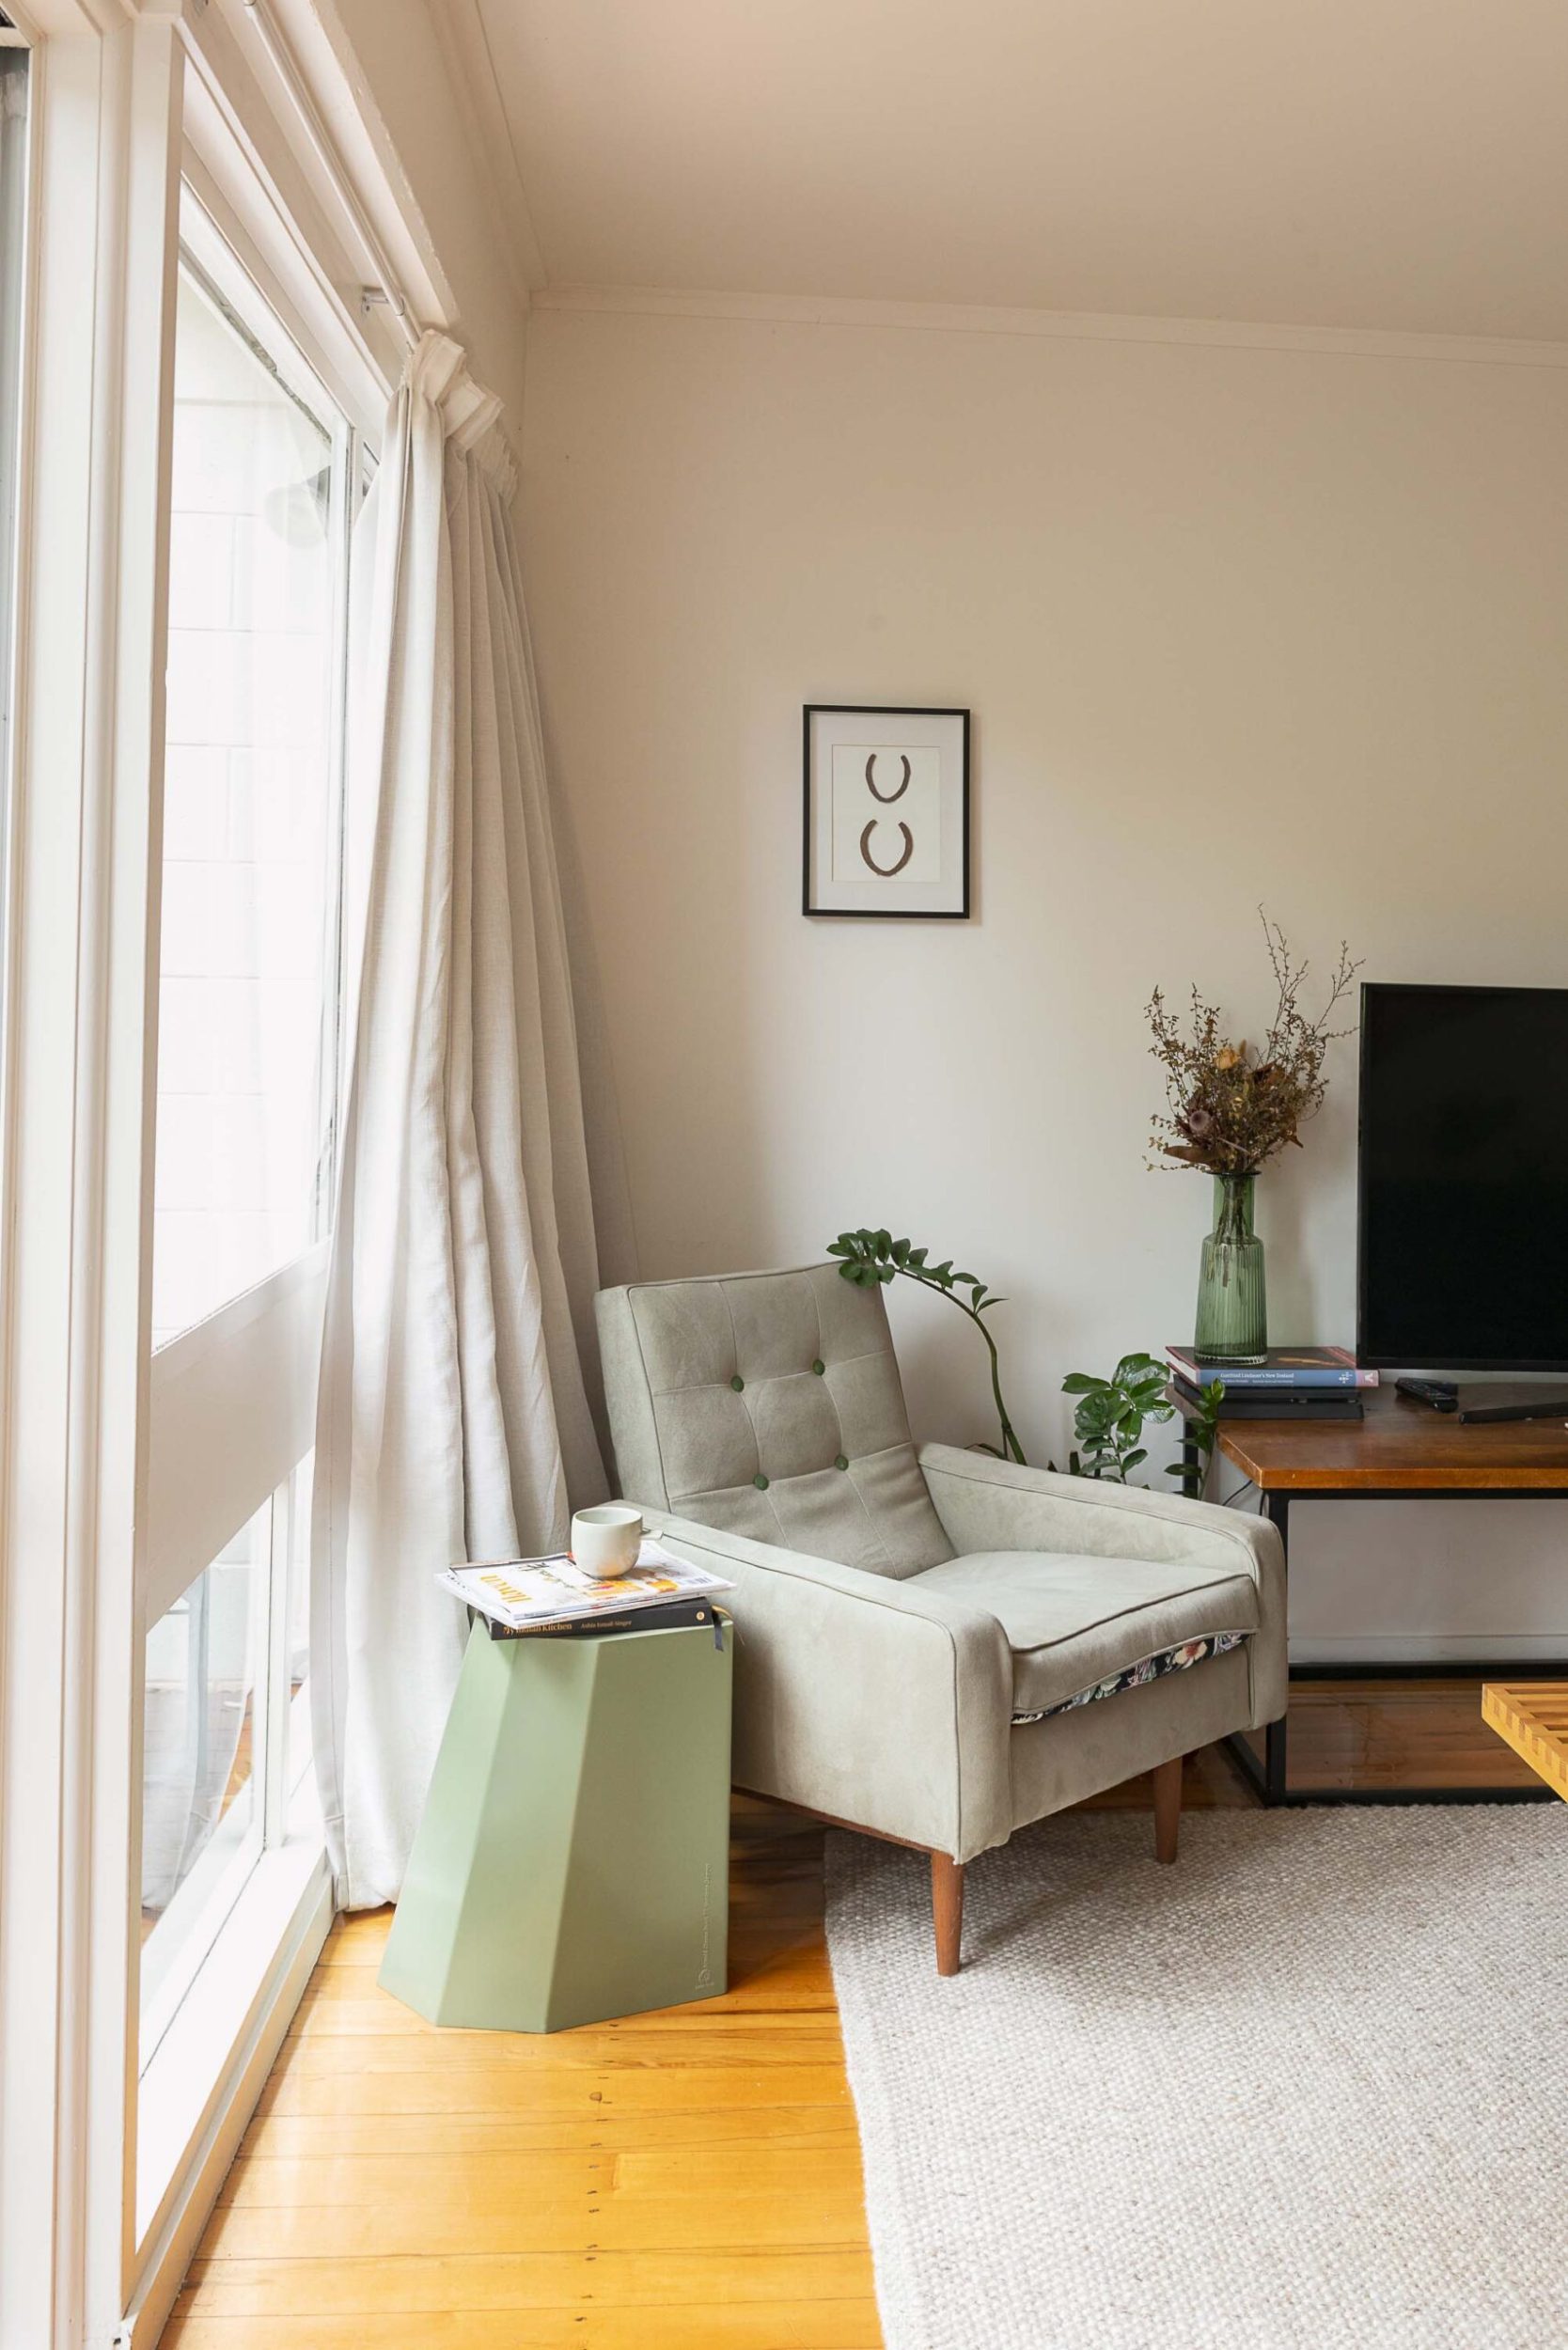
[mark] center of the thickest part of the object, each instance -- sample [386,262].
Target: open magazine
[526,1595]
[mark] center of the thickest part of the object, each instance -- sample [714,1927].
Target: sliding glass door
[13,210]
[263,472]
[184,379]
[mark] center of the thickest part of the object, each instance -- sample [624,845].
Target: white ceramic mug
[606,1541]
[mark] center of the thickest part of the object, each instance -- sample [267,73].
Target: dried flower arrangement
[1233,1107]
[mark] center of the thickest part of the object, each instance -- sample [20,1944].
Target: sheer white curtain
[453,1420]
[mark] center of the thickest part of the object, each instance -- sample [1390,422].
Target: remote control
[1442,1394]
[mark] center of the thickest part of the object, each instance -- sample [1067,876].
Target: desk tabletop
[1399,1445]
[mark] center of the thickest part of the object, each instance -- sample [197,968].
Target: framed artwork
[886,812]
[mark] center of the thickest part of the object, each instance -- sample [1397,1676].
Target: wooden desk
[1400,1450]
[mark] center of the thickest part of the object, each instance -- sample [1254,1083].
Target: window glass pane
[200,1759]
[250,822]
[13,187]
[295,1570]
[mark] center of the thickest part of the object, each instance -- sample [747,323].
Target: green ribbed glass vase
[1232,1310]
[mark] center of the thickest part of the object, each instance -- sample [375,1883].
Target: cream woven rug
[1309,2087]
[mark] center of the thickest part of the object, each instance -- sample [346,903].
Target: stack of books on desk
[1291,1383]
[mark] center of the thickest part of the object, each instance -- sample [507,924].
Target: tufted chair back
[769,1404]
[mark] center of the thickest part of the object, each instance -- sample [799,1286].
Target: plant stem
[1011,1449]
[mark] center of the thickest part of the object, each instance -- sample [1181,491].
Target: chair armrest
[876,1701]
[986,1504]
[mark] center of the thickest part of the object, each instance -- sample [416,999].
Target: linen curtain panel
[452,1421]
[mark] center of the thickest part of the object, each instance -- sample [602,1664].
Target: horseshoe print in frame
[886,812]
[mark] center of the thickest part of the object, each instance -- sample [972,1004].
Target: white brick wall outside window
[248,863]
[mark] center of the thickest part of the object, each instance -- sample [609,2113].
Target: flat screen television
[1462,1205]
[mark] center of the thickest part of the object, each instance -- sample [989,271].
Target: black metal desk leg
[1265,1774]
[1276,1508]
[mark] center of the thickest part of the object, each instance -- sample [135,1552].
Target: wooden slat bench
[1532,1717]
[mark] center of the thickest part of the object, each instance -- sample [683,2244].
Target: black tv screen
[1463,1237]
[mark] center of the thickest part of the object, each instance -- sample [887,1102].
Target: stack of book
[520,1599]
[1291,1383]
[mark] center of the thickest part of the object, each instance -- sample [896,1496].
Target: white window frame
[12,44]
[282,1812]
[231,1411]
[110,80]
[84,837]
[231,1415]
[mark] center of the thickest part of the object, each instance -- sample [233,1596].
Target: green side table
[573,1861]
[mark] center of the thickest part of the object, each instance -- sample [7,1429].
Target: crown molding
[460,29]
[1053,325]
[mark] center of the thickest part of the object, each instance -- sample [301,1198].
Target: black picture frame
[879,914]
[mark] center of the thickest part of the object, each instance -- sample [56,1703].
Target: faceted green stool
[573,1862]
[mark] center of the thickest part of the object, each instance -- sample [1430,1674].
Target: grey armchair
[923,1639]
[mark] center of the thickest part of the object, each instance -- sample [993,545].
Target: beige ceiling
[1387,163]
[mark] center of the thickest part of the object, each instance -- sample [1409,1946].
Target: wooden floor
[683,2181]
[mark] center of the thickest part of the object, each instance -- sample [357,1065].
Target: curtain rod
[385,286]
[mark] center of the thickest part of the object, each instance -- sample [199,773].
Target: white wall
[1235,624]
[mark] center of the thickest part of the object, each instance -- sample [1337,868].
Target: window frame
[15,44]
[231,1397]
[120,88]
[80,835]
[231,1419]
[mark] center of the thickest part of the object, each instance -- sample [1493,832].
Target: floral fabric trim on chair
[1165,1660]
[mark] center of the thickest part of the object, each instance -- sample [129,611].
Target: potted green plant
[870,1257]
[1109,1414]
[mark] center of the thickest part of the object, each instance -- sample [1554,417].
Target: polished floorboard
[688,2180]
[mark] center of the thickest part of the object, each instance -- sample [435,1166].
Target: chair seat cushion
[1074,1621]
[1165,1660]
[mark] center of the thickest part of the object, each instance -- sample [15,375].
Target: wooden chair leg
[947,1910]
[1168,1807]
